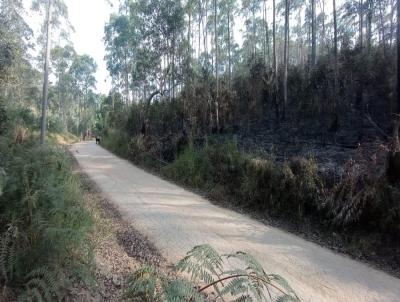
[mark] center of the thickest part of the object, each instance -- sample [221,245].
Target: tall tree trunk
[46,72]
[369,24]
[229,50]
[206,30]
[254,32]
[398,57]
[392,8]
[313,34]
[199,25]
[173,65]
[216,65]
[381,18]
[267,57]
[299,39]
[361,22]
[189,33]
[286,59]
[323,35]
[126,78]
[274,61]
[335,52]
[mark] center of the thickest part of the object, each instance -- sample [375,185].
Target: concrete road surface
[175,220]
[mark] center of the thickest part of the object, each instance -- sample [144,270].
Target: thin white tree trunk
[46,72]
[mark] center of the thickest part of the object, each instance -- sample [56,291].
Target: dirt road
[175,220]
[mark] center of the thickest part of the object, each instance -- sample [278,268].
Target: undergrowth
[291,189]
[43,223]
[358,212]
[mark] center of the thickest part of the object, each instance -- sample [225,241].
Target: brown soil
[118,248]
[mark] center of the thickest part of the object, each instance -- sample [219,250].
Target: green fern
[142,286]
[45,284]
[180,291]
[8,252]
[44,225]
[246,283]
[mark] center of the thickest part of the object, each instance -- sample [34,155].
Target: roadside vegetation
[357,213]
[54,245]
[53,241]
[298,124]
[44,225]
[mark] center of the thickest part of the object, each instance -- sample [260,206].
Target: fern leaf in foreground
[246,282]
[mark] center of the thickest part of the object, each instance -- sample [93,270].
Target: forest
[287,110]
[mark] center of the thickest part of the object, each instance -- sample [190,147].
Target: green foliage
[55,125]
[264,185]
[246,281]
[116,141]
[21,115]
[43,223]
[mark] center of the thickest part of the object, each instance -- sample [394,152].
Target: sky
[88,17]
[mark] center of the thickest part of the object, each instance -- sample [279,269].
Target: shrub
[365,197]
[43,224]
[206,167]
[116,141]
[55,124]
[292,190]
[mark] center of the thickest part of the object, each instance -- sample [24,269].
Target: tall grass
[291,189]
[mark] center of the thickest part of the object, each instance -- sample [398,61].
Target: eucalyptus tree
[228,9]
[83,80]
[250,9]
[398,60]
[313,33]
[119,43]
[62,59]
[14,43]
[285,58]
[56,11]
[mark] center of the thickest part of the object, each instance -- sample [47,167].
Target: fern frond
[180,291]
[287,298]
[8,252]
[243,298]
[44,284]
[282,283]
[235,287]
[142,285]
[201,262]
[250,262]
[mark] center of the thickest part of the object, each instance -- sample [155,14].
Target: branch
[242,275]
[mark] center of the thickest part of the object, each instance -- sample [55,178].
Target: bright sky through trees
[88,18]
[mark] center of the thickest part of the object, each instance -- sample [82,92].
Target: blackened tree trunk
[398,57]
[285,59]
